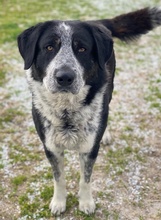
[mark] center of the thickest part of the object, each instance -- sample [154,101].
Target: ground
[127,175]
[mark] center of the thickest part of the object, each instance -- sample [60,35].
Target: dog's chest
[72,123]
[72,127]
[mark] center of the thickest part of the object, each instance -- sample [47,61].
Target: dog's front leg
[86,201]
[58,202]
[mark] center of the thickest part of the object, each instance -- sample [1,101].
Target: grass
[18,181]
[18,15]
[36,207]
[47,193]
[9,114]
[117,160]
[28,208]
[2,77]
[154,98]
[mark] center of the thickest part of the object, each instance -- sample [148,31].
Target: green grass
[38,207]
[9,114]
[18,15]
[33,205]
[154,97]
[20,154]
[18,180]
[47,193]
[28,208]
[71,201]
[118,159]
[1,166]
[2,77]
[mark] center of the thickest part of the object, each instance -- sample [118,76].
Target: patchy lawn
[127,174]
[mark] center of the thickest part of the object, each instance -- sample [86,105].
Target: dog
[70,68]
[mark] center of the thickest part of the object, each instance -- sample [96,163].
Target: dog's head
[65,56]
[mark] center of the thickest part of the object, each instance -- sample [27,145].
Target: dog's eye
[81,50]
[49,48]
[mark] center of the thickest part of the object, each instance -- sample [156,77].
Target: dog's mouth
[72,90]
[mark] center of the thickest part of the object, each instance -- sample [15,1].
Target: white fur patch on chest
[73,126]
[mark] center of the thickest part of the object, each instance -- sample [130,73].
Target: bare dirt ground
[127,174]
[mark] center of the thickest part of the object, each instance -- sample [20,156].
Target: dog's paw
[57,206]
[106,139]
[87,206]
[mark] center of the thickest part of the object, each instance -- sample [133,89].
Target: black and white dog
[70,70]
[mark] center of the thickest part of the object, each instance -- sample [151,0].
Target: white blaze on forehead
[65,26]
[65,32]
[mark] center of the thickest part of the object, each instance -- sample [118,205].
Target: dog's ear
[27,41]
[104,44]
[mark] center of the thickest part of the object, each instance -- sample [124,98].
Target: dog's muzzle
[65,78]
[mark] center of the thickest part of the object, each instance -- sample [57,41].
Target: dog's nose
[65,78]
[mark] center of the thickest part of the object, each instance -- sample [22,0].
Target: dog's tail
[132,25]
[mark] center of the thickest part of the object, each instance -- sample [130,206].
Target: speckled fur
[84,120]
[65,57]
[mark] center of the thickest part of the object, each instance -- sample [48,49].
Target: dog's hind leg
[58,202]
[86,201]
[106,139]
